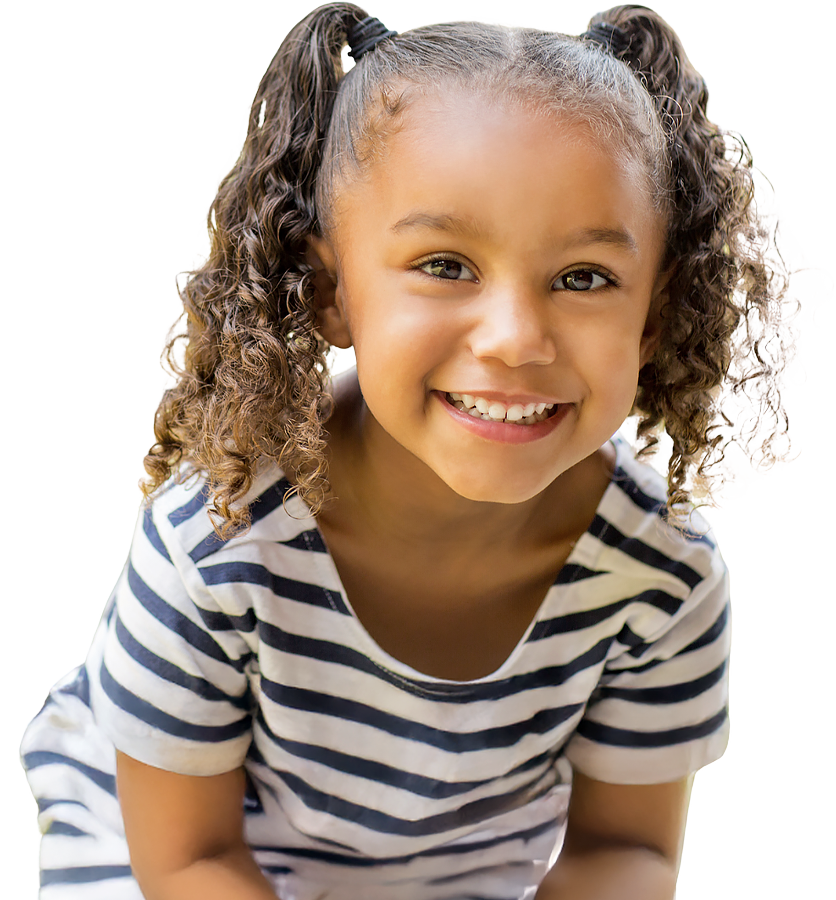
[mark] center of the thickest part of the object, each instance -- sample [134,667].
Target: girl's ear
[331,321]
[654,323]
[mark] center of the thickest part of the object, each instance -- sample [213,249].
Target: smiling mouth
[493,411]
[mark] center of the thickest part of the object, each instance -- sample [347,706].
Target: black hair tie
[610,37]
[365,35]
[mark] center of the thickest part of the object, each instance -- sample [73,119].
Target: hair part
[252,386]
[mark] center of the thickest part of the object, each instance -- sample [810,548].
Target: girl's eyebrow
[437,222]
[618,237]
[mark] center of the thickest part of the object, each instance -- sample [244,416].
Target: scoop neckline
[384,660]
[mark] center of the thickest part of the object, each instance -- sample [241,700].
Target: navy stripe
[37,758]
[661,600]
[380,773]
[64,828]
[608,534]
[269,500]
[467,815]
[622,737]
[297,543]
[588,617]
[711,635]
[261,507]
[84,874]
[546,678]
[670,693]
[219,621]
[169,672]
[541,722]
[443,692]
[452,850]
[572,572]
[148,713]
[627,484]
[153,535]
[194,506]
[630,639]
[317,648]
[290,589]
[44,803]
[78,687]
[209,545]
[307,540]
[577,621]
[181,625]
[254,755]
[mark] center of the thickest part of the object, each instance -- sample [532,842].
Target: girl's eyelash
[594,270]
[436,257]
[419,264]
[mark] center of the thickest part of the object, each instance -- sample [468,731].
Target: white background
[120,120]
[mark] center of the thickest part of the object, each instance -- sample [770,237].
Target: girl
[429,630]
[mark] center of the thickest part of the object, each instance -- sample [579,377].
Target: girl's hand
[185,834]
[623,842]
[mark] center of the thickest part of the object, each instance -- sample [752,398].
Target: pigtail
[252,381]
[722,324]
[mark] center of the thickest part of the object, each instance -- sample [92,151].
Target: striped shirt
[366,777]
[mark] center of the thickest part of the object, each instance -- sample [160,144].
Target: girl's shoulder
[633,523]
[180,513]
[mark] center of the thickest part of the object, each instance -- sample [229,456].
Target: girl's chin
[500,490]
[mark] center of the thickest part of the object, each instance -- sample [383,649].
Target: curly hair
[252,382]
[723,341]
[252,385]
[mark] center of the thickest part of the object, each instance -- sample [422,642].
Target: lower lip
[504,432]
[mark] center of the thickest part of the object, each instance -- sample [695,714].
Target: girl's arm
[623,842]
[185,834]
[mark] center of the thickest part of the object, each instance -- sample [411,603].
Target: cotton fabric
[366,777]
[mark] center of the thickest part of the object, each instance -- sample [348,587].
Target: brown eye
[449,269]
[580,280]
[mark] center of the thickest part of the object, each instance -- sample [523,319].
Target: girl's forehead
[434,120]
[465,156]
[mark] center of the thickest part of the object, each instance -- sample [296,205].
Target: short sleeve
[169,667]
[660,710]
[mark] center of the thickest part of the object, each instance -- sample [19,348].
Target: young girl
[429,630]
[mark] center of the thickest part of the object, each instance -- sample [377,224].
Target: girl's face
[495,256]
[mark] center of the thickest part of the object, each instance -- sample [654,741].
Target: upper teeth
[493,409]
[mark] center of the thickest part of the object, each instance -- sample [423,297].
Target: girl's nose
[514,327]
